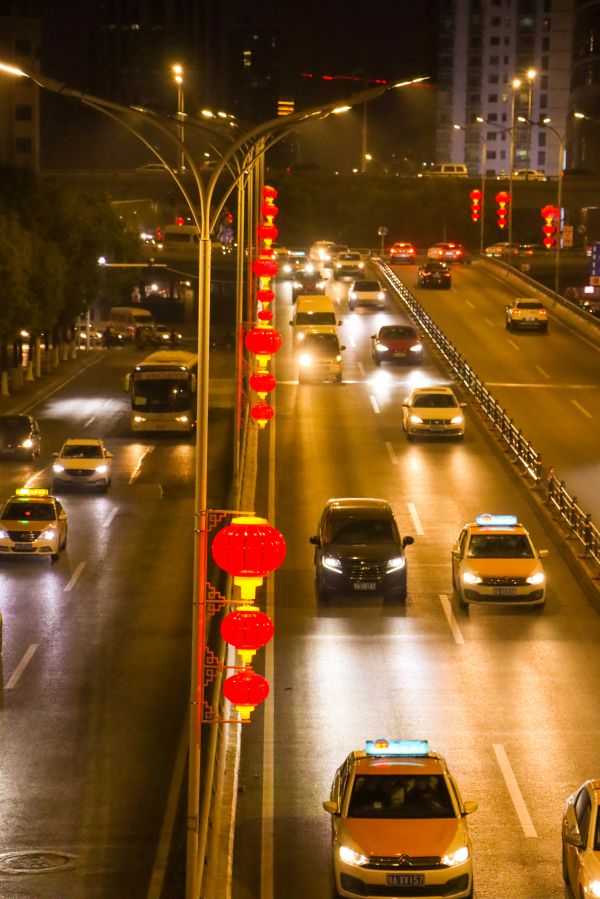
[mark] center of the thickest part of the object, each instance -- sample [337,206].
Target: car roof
[431,764]
[359,502]
[43,500]
[83,441]
[370,281]
[443,391]
[527,300]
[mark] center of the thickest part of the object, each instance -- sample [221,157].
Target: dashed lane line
[14,678]
[450,618]
[415,518]
[514,790]
[375,404]
[75,577]
[581,409]
[392,453]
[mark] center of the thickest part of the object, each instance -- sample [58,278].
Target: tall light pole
[177,70]
[483,174]
[205,215]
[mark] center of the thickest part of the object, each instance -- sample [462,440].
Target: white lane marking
[515,793]
[361,369]
[512,343]
[89,421]
[108,521]
[452,622]
[416,520]
[392,453]
[138,468]
[34,477]
[375,405]
[489,322]
[542,372]
[14,678]
[469,303]
[581,409]
[75,577]
[159,868]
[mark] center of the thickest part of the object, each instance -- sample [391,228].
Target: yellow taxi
[494,560]
[526,314]
[581,840]
[399,824]
[33,523]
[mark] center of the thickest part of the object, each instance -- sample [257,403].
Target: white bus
[162,390]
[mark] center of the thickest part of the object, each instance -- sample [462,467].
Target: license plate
[405,880]
[365,585]
[23,548]
[399,353]
[504,591]
[530,319]
[436,428]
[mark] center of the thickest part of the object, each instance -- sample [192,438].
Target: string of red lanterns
[503,201]
[475,196]
[550,215]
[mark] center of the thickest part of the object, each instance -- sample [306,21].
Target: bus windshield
[170,392]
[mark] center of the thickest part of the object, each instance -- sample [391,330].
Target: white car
[432,412]
[366,293]
[82,462]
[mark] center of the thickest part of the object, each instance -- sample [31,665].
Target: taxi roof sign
[397,747]
[32,491]
[498,521]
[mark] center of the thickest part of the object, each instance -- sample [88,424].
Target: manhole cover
[35,861]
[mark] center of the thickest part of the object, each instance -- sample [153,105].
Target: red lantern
[267,232]
[248,629]
[262,413]
[263,382]
[265,315]
[263,341]
[475,197]
[268,210]
[245,691]
[503,201]
[248,549]
[265,267]
[268,192]
[265,295]
[550,214]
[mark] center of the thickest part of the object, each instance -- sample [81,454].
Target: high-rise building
[501,60]
[20,39]
[584,134]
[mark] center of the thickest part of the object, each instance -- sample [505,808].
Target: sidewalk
[33,392]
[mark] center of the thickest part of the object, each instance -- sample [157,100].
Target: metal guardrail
[578,523]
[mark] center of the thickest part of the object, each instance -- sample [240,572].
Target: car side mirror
[316,541]
[573,838]
[342,348]
[470,807]
[406,541]
[109,455]
[543,552]
[462,405]
[331,807]
[373,336]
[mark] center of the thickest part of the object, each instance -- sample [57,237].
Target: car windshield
[349,530]
[367,285]
[322,344]
[349,257]
[434,401]
[81,451]
[14,425]
[397,332]
[28,511]
[400,796]
[500,546]
[315,318]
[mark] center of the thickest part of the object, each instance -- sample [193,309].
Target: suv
[526,313]
[358,549]
[348,265]
[82,462]
[19,436]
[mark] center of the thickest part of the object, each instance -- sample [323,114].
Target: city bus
[162,390]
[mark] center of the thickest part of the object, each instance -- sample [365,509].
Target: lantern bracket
[216,516]
[211,716]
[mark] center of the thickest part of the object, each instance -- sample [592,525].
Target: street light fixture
[245,152]
[178,76]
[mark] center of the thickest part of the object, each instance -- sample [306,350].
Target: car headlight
[457,857]
[27,443]
[138,419]
[415,419]
[296,284]
[594,888]
[361,265]
[301,335]
[338,265]
[305,360]
[182,419]
[49,534]
[351,857]
[539,578]
[57,467]
[381,295]
[470,578]
[381,348]
[352,294]
[332,563]
[457,420]
[3,535]
[321,284]
[310,267]
[396,563]
[102,469]
[417,348]
[338,358]
[287,268]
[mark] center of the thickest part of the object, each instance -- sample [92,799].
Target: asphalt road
[507,696]
[97,652]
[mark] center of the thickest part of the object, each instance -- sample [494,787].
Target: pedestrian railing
[577,522]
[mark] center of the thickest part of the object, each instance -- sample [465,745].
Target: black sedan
[434,274]
[358,550]
[308,282]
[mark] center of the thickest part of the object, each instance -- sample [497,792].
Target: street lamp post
[483,174]
[205,218]
[178,76]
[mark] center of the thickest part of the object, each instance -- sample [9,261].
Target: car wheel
[544,329]
[376,361]
[64,543]
[508,324]
[461,601]
[54,557]
[323,594]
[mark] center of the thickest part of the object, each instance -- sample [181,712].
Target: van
[127,319]
[446,169]
[313,314]
[180,242]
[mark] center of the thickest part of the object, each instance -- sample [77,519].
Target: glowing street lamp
[178,77]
